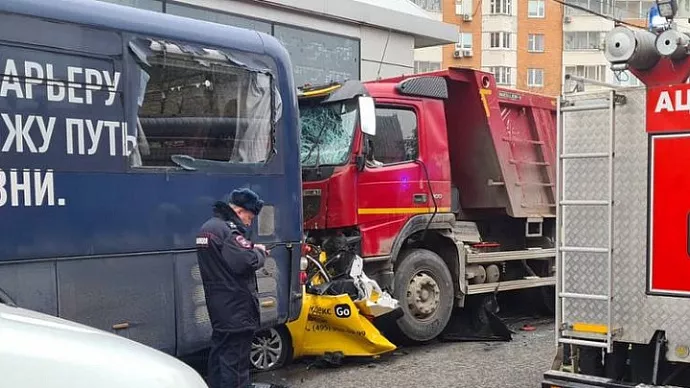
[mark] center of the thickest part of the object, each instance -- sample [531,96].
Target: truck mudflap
[558,379]
[477,321]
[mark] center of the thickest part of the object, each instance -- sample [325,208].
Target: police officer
[228,261]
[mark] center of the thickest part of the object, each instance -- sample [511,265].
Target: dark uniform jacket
[228,263]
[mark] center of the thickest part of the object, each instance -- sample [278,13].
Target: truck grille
[311,206]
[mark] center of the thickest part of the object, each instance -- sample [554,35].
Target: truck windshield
[327,131]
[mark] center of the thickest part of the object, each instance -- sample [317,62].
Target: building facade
[327,40]
[534,44]
[583,40]
[520,41]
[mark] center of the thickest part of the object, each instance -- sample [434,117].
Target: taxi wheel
[271,349]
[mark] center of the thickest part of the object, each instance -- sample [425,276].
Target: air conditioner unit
[567,19]
[458,9]
[467,52]
[466,17]
[458,46]
[457,54]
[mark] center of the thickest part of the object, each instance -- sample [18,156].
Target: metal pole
[593,82]
[559,223]
[612,118]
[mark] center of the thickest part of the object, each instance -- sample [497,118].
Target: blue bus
[119,129]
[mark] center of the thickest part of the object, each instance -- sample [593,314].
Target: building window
[429,5]
[501,7]
[535,43]
[582,40]
[317,57]
[535,77]
[426,66]
[499,40]
[535,9]
[599,6]
[396,136]
[465,40]
[464,7]
[634,9]
[503,74]
[594,72]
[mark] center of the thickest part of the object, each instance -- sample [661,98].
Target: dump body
[501,144]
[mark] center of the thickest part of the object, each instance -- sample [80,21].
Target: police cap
[247,199]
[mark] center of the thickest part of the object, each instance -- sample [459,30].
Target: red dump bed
[502,145]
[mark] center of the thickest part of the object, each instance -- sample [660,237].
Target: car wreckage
[343,315]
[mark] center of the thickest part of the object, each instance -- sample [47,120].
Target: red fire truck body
[452,196]
[623,255]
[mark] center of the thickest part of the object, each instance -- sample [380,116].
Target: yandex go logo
[668,108]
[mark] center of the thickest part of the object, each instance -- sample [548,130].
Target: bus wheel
[271,349]
[424,288]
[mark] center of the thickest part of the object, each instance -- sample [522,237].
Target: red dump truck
[447,180]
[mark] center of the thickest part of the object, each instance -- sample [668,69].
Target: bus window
[200,106]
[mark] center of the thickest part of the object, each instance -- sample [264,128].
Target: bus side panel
[135,299]
[30,285]
[193,324]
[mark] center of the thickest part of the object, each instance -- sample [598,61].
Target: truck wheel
[424,288]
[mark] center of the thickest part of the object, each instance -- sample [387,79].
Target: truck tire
[424,287]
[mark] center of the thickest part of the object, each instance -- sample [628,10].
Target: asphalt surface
[515,364]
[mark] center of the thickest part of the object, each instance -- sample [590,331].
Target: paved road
[516,364]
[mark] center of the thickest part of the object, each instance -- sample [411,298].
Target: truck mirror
[367,115]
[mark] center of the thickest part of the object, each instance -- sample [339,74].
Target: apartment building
[583,40]
[533,44]
[520,41]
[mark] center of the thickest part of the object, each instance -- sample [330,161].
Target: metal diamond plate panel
[586,131]
[586,226]
[637,314]
[586,178]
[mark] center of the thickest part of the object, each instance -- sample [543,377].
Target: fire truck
[623,192]
[447,181]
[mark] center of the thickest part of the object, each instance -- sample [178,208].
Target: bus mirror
[367,115]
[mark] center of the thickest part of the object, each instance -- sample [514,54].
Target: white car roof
[41,351]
